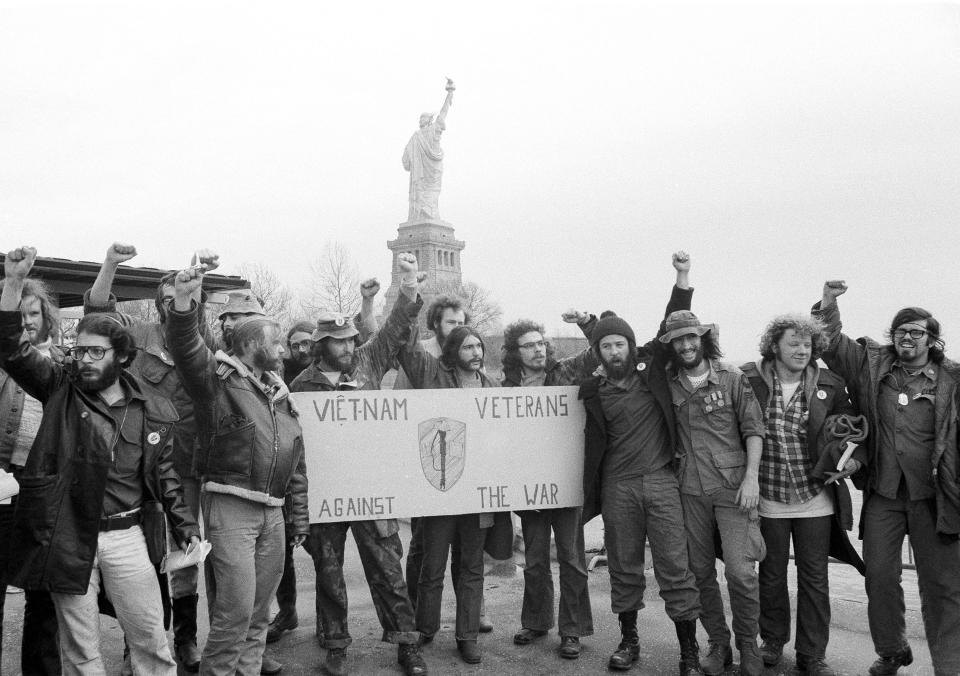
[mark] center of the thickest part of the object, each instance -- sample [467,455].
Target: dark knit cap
[611,326]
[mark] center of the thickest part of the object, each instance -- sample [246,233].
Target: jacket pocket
[37,506]
[232,451]
[732,467]
[153,369]
[720,418]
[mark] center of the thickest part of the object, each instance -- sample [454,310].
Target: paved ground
[850,649]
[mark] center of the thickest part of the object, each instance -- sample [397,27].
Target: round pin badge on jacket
[153,438]
[821,394]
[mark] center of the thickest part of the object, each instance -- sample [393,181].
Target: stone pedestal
[438,253]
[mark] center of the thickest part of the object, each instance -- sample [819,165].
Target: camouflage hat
[334,325]
[241,302]
[683,323]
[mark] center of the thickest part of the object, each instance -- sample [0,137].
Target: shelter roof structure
[68,280]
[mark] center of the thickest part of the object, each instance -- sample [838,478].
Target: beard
[227,338]
[619,368]
[88,379]
[265,361]
[470,364]
[690,361]
[345,362]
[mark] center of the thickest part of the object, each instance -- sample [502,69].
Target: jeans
[242,572]
[381,560]
[130,580]
[886,521]
[576,618]
[742,547]
[287,590]
[811,546]
[648,508]
[439,533]
[183,582]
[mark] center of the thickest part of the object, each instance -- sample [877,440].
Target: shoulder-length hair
[450,356]
[37,288]
[804,325]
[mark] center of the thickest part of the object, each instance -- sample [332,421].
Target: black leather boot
[689,648]
[628,651]
[185,632]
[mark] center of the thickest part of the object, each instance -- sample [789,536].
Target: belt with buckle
[120,521]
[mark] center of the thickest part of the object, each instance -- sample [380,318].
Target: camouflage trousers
[381,559]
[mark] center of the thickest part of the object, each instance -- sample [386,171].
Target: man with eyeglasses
[154,363]
[340,364]
[527,362]
[908,391]
[103,453]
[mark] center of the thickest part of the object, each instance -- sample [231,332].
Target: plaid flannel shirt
[786,464]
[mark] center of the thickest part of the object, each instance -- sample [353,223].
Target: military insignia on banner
[443,451]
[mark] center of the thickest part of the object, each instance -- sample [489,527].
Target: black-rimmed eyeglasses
[95,351]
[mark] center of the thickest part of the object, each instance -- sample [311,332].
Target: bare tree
[143,309]
[277,298]
[334,283]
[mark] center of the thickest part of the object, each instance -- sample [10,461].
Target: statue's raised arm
[423,158]
[442,115]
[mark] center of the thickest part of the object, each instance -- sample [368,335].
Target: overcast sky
[780,145]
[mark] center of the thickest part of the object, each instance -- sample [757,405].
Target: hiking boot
[333,663]
[689,648]
[628,651]
[569,647]
[887,665]
[526,636]
[750,662]
[282,622]
[813,666]
[188,655]
[269,666]
[771,652]
[409,657]
[719,658]
[469,651]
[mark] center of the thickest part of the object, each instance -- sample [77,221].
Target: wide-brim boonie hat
[241,302]
[683,323]
[334,325]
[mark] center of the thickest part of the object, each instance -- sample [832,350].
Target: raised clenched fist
[18,262]
[118,253]
[369,287]
[573,316]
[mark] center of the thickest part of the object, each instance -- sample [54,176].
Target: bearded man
[101,457]
[629,477]
[340,365]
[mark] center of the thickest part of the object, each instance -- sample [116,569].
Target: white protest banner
[381,454]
